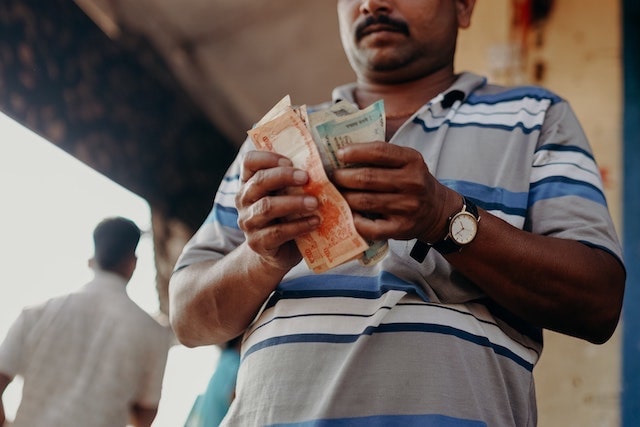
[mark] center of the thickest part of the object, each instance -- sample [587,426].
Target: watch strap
[420,250]
[446,246]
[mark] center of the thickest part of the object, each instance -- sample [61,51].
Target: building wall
[576,53]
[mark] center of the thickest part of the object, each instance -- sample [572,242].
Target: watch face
[463,228]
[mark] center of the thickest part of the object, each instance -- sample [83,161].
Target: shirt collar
[465,83]
[107,281]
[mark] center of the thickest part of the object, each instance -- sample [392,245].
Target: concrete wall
[577,54]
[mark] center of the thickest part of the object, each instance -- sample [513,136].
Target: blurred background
[51,203]
[137,108]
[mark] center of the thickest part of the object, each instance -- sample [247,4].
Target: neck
[401,100]
[101,272]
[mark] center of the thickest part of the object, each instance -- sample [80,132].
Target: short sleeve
[12,348]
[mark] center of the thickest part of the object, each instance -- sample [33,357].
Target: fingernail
[310,203]
[300,177]
[340,153]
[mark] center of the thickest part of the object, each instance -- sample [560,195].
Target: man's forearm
[212,302]
[552,283]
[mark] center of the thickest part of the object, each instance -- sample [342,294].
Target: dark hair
[114,239]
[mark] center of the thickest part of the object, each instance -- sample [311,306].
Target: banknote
[336,110]
[364,125]
[285,131]
[357,126]
[283,105]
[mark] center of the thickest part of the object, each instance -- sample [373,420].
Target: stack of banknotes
[310,140]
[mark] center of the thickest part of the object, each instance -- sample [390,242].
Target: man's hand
[214,301]
[141,416]
[5,380]
[270,210]
[397,188]
[553,283]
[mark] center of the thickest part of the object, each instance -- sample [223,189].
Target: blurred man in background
[92,358]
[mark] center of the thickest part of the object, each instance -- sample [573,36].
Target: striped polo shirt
[411,343]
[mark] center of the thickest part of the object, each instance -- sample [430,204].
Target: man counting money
[497,227]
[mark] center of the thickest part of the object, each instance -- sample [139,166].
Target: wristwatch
[463,227]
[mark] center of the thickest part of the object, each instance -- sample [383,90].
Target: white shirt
[86,357]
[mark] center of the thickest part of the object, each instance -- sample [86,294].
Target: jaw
[378,56]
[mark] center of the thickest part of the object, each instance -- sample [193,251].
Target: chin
[382,63]
[387,59]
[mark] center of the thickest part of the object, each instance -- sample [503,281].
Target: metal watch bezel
[460,216]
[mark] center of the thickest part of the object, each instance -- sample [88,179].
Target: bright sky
[50,204]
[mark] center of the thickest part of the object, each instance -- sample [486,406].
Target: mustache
[382,20]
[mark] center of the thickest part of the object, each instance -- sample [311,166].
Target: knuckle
[275,234]
[263,207]
[362,202]
[366,177]
[366,202]
[245,221]
[249,156]
[413,206]
[242,223]
[254,244]
[238,199]
[383,150]
[258,178]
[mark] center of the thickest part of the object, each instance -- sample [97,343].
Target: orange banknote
[284,131]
